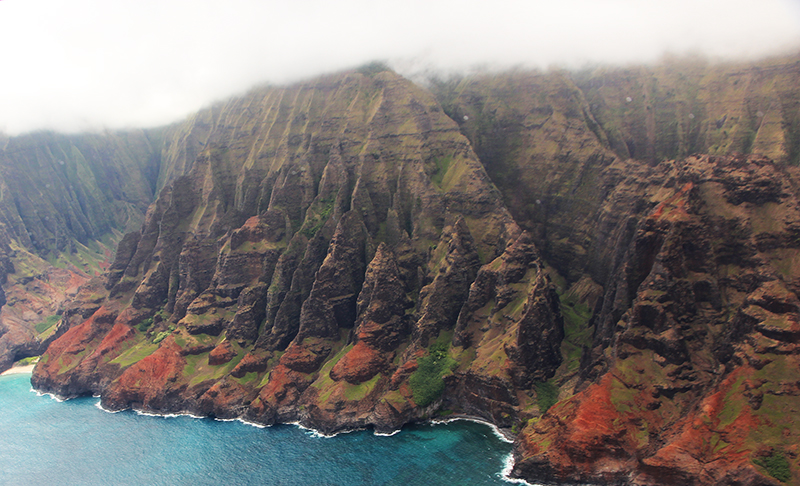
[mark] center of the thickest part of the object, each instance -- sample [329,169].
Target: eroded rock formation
[353,251]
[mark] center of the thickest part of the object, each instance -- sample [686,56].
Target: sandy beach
[18,370]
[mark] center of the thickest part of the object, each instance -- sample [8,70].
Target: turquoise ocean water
[43,441]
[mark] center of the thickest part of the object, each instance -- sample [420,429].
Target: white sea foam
[252,424]
[99,404]
[387,434]
[147,414]
[51,395]
[182,414]
[319,434]
[505,474]
[167,415]
[288,437]
[190,415]
[508,463]
[310,431]
[497,432]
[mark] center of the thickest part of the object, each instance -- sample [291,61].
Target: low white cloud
[90,64]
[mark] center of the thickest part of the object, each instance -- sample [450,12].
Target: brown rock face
[301,263]
[382,325]
[336,254]
[331,305]
[539,335]
[442,299]
[680,381]
[221,354]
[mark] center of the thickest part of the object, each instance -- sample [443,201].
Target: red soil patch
[75,343]
[403,372]
[166,361]
[250,363]
[222,354]
[359,364]
[74,340]
[111,344]
[74,281]
[701,445]
[674,205]
[251,222]
[597,428]
[301,358]
[586,433]
[222,398]
[282,386]
[147,381]
[697,429]
[62,352]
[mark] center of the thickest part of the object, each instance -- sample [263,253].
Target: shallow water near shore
[74,442]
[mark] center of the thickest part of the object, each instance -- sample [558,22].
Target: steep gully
[337,255]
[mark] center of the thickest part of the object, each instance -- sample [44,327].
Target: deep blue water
[43,441]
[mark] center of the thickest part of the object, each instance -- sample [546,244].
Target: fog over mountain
[89,64]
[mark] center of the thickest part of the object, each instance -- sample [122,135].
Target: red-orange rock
[359,364]
[146,383]
[252,362]
[222,354]
[305,358]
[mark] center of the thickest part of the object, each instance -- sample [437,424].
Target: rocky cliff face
[318,250]
[65,201]
[340,253]
[545,138]
[699,312]
[558,146]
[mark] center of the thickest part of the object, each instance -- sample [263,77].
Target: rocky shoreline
[503,434]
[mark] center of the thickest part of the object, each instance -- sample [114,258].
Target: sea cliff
[568,255]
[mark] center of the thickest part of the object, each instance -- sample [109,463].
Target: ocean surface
[43,441]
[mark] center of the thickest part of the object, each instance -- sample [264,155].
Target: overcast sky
[74,65]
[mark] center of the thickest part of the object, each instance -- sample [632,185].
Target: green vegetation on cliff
[426,382]
[776,465]
[546,395]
